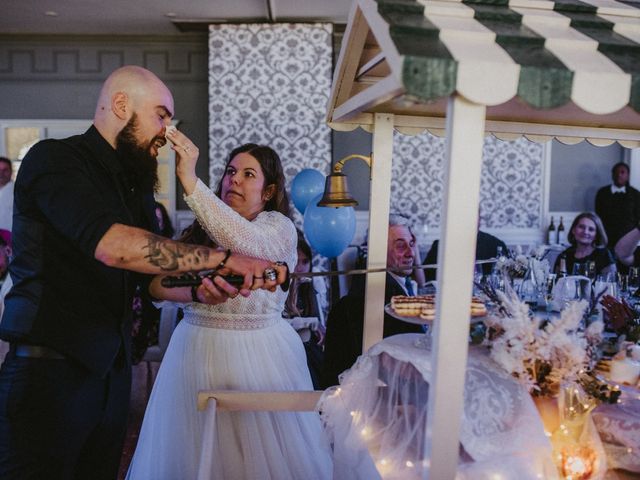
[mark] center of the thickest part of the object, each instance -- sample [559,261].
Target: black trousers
[60,422]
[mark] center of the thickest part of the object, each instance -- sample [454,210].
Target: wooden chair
[242,401]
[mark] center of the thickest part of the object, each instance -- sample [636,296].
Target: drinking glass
[478,274]
[634,279]
[623,286]
[580,269]
[547,294]
[606,284]
[591,270]
[567,291]
[583,289]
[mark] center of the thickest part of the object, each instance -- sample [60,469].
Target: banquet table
[619,429]
[376,419]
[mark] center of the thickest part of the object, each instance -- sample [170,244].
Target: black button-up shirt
[68,193]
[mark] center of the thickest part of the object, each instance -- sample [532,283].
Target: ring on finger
[270,274]
[258,278]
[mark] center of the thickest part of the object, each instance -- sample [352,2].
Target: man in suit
[618,205]
[343,340]
[82,242]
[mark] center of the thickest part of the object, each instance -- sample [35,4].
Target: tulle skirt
[249,445]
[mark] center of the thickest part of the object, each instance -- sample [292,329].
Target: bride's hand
[186,157]
[217,291]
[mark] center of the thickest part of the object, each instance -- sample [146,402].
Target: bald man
[84,212]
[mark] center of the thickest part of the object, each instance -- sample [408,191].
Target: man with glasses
[343,340]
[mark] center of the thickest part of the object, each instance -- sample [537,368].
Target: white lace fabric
[376,418]
[270,236]
[619,429]
[243,344]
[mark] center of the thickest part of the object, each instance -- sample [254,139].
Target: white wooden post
[379,196]
[208,453]
[633,156]
[456,254]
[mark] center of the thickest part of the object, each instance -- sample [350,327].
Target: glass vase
[529,288]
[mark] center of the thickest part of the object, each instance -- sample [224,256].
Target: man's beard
[137,159]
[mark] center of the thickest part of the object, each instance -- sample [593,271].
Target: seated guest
[5,253]
[164,221]
[5,278]
[486,248]
[588,244]
[343,341]
[303,311]
[626,250]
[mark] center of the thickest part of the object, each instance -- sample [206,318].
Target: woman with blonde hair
[588,244]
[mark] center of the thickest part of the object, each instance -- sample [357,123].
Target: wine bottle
[562,236]
[563,267]
[551,233]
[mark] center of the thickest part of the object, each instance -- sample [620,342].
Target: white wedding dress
[242,344]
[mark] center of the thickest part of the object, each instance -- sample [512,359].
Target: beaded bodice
[270,236]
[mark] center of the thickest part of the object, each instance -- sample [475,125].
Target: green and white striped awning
[563,62]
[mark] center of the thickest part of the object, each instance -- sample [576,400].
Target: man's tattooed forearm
[170,256]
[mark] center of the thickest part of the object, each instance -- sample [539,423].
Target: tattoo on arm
[170,255]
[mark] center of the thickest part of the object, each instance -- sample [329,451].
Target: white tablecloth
[377,418]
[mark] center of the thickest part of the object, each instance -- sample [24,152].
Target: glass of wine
[623,286]
[634,280]
[580,269]
[547,294]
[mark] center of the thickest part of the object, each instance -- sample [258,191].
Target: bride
[242,344]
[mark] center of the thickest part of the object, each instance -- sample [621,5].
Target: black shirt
[68,193]
[601,256]
[486,248]
[619,212]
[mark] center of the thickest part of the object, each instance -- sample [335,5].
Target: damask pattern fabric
[510,189]
[270,84]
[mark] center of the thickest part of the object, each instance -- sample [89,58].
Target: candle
[577,462]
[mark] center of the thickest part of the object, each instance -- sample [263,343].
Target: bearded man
[83,213]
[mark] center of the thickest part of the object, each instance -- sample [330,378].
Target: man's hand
[253,271]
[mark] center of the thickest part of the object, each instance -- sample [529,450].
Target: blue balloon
[329,230]
[306,185]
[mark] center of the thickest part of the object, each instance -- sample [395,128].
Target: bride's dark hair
[273,175]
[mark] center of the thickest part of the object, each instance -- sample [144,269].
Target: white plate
[416,320]
[421,321]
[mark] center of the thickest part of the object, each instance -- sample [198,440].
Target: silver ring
[186,148]
[270,274]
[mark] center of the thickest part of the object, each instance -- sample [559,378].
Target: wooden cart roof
[564,68]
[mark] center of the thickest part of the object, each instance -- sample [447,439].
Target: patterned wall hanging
[270,84]
[511,188]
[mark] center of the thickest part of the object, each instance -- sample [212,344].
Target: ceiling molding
[187,26]
[187,37]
